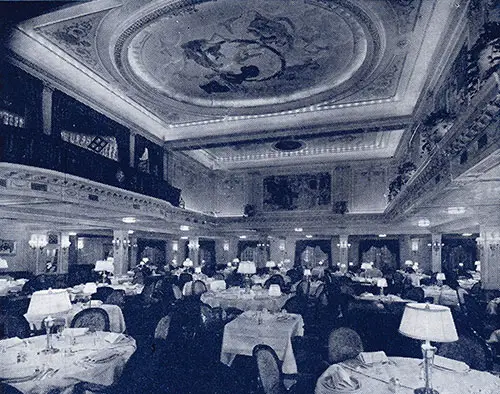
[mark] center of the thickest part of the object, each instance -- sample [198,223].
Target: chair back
[218,276]
[102,293]
[343,344]
[211,318]
[296,304]
[415,294]
[276,279]
[95,319]
[163,327]
[177,292]
[16,326]
[184,278]
[303,288]
[117,297]
[198,287]
[269,370]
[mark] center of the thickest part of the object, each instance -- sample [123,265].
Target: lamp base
[51,350]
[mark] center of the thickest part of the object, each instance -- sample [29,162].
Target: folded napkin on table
[449,364]
[75,332]
[102,356]
[373,357]
[114,337]
[10,342]
[339,380]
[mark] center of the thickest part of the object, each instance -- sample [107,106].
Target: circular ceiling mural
[247,54]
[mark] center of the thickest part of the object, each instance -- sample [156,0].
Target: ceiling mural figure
[247,54]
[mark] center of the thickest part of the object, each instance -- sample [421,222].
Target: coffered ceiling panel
[187,70]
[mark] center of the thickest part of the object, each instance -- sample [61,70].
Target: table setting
[80,356]
[374,372]
[252,328]
[246,299]
[443,295]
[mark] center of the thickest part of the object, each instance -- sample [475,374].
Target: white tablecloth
[212,285]
[442,295]
[243,333]
[11,286]
[71,362]
[235,297]
[116,319]
[374,379]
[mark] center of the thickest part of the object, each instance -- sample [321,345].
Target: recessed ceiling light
[243,236]
[129,219]
[466,234]
[184,237]
[184,227]
[424,223]
[456,210]
[382,235]
[299,229]
[309,236]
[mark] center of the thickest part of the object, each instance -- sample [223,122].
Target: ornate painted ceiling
[236,73]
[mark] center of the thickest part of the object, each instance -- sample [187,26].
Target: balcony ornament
[405,172]
[435,126]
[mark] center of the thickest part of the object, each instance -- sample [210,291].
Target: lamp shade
[247,267]
[47,302]
[236,260]
[104,265]
[197,270]
[441,276]
[90,288]
[381,282]
[270,264]
[366,266]
[428,322]
[3,264]
[408,263]
[307,272]
[187,263]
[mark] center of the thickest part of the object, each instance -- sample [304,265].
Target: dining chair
[296,304]
[184,278]
[218,276]
[276,279]
[102,293]
[16,326]
[303,288]
[117,297]
[95,319]
[415,294]
[177,292]
[162,328]
[198,287]
[343,344]
[269,370]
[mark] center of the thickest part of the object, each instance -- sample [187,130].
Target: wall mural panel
[297,192]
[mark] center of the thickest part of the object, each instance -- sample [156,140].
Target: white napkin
[102,356]
[340,380]
[10,342]
[114,337]
[373,357]
[450,364]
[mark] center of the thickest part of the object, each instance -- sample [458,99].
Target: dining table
[254,328]
[11,286]
[443,295]
[243,299]
[82,356]
[115,314]
[403,375]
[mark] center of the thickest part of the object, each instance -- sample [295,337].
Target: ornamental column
[121,245]
[436,245]
[343,252]
[489,250]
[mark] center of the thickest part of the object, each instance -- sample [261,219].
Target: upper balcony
[32,148]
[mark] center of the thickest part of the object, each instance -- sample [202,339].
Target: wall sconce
[80,244]
[65,242]
[193,245]
[343,244]
[38,241]
[282,245]
[225,246]
[414,245]
[175,246]
[118,242]
[436,246]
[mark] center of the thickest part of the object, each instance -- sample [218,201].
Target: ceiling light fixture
[129,219]
[456,210]
[243,236]
[424,223]
[309,236]
[130,232]
[466,234]
[299,229]
[184,227]
[382,235]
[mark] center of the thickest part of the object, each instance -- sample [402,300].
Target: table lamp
[104,266]
[270,264]
[408,263]
[428,322]
[440,277]
[197,270]
[381,283]
[366,266]
[247,268]
[307,273]
[47,303]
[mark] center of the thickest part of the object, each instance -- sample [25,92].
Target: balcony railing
[39,150]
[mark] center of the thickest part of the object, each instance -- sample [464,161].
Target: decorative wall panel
[297,192]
